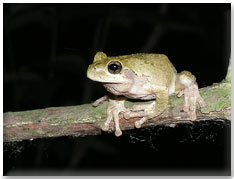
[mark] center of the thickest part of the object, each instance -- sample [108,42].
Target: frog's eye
[114,67]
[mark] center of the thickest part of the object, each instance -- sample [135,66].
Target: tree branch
[87,120]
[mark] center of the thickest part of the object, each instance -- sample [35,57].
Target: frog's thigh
[161,101]
[140,107]
[156,109]
[140,110]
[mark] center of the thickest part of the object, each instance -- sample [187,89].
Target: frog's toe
[138,124]
[193,116]
[118,133]
[126,114]
[105,127]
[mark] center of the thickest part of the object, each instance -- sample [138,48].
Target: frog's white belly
[130,91]
[140,91]
[146,91]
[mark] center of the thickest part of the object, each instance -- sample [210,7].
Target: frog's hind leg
[187,83]
[150,110]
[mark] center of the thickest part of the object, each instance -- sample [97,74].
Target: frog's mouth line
[108,82]
[116,83]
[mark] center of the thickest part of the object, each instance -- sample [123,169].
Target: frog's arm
[100,100]
[114,108]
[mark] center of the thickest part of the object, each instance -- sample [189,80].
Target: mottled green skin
[156,66]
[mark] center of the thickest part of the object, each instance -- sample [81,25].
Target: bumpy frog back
[157,67]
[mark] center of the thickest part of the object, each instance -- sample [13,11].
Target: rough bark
[87,120]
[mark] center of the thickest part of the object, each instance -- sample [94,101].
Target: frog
[142,76]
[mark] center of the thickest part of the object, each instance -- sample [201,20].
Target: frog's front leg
[115,107]
[149,111]
[100,100]
[186,82]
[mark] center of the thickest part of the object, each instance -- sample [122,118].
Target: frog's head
[107,69]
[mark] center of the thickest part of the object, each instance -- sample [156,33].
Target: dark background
[47,49]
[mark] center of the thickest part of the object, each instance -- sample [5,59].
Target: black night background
[47,49]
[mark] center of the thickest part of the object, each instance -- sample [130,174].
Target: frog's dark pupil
[114,67]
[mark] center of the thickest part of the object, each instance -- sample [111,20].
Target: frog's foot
[114,108]
[105,126]
[192,97]
[100,100]
[118,132]
[140,122]
[191,94]
[143,114]
[138,110]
